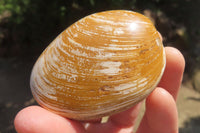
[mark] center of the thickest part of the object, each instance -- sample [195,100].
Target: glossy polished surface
[100,65]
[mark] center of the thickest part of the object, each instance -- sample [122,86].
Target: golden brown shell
[100,65]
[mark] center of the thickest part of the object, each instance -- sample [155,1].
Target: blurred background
[28,26]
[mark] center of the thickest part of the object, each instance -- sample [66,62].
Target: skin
[160,116]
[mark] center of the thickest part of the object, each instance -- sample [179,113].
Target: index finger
[172,77]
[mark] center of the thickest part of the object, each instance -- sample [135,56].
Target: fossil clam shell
[102,64]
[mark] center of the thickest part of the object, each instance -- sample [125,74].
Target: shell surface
[100,65]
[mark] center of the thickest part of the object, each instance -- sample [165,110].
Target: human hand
[160,115]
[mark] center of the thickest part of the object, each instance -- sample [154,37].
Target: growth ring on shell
[102,64]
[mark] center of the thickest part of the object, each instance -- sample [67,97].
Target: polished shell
[100,65]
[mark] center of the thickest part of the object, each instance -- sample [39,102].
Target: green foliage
[16,7]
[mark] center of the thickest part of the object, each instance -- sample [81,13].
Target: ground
[15,94]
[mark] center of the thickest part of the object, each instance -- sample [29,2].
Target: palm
[160,115]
